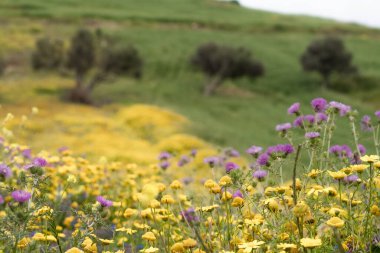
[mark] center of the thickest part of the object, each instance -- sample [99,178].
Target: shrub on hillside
[123,61]
[48,54]
[219,63]
[327,56]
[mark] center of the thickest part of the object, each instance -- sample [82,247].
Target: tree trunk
[211,86]
[326,81]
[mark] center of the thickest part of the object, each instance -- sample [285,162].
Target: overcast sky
[360,11]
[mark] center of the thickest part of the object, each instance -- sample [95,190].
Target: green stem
[368,233]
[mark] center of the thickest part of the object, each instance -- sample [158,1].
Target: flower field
[162,190]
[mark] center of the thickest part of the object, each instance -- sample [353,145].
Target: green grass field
[244,112]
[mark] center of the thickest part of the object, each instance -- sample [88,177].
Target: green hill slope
[167,32]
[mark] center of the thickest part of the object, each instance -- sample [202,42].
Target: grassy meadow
[151,167]
[167,35]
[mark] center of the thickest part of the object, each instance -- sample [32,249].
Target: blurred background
[128,79]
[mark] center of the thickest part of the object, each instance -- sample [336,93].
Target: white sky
[365,12]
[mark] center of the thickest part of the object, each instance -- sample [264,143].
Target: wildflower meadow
[305,194]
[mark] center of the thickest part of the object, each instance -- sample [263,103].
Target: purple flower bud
[366,123]
[183,161]
[193,152]
[104,202]
[21,196]
[294,108]
[346,151]
[189,215]
[254,150]
[5,171]
[1,200]
[260,174]
[312,135]
[351,179]
[339,107]
[27,153]
[62,149]
[263,159]
[39,162]
[230,166]
[187,180]
[164,164]
[212,161]
[283,127]
[286,148]
[319,104]
[320,117]
[377,114]
[362,149]
[336,149]
[237,194]
[164,156]
[232,153]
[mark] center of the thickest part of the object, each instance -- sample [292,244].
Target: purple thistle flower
[232,152]
[193,152]
[1,200]
[211,160]
[62,149]
[351,179]
[104,202]
[294,109]
[263,159]
[5,171]
[183,161]
[237,194]
[298,122]
[254,150]
[319,104]
[320,117]
[362,149]
[164,156]
[366,123]
[341,108]
[285,148]
[189,215]
[336,149]
[283,127]
[309,118]
[312,135]
[27,153]
[164,164]
[346,151]
[260,174]
[230,166]
[301,120]
[40,162]
[377,114]
[187,180]
[21,196]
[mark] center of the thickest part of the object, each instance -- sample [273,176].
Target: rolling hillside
[167,32]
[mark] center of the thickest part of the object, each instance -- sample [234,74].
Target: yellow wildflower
[74,250]
[335,222]
[189,243]
[338,175]
[310,242]
[149,236]
[175,185]
[237,202]
[370,158]
[225,180]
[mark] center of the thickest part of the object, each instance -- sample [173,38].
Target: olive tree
[327,56]
[219,62]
